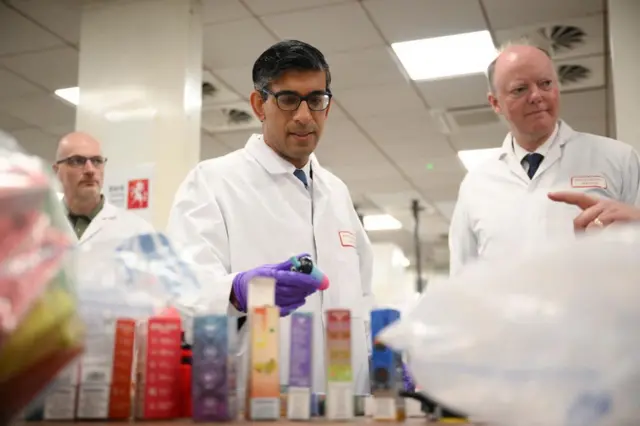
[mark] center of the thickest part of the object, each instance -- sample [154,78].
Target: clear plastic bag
[549,340]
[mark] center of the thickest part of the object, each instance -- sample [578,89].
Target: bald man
[503,207]
[80,168]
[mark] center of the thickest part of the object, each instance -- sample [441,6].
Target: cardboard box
[300,366]
[386,370]
[106,371]
[263,388]
[339,398]
[214,368]
[158,369]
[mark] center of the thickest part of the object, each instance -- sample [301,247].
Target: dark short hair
[491,69]
[286,56]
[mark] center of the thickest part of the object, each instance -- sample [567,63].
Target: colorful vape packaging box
[300,366]
[106,371]
[263,387]
[214,369]
[158,369]
[61,398]
[386,370]
[339,398]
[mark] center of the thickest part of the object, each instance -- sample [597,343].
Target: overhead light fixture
[70,94]
[381,222]
[447,56]
[472,158]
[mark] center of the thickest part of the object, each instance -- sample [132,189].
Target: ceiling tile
[342,141]
[591,43]
[211,148]
[439,193]
[380,100]
[53,69]
[347,68]
[12,86]
[397,200]
[37,143]
[414,154]
[18,34]
[479,137]
[582,73]
[9,123]
[234,140]
[262,7]
[446,208]
[330,29]
[583,105]
[61,17]
[403,20]
[458,92]
[509,13]
[239,79]
[216,11]
[60,130]
[235,44]
[42,111]
[405,128]
[385,185]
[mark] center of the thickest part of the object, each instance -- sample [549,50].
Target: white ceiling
[381,134]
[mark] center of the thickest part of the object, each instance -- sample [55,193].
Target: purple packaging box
[214,369]
[300,367]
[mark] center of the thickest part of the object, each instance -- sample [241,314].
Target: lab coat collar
[107,214]
[273,163]
[561,136]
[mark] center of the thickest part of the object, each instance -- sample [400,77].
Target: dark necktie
[534,161]
[300,174]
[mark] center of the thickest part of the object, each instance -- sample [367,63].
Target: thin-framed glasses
[290,101]
[81,160]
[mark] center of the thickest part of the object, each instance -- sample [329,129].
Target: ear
[326,111]
[257,104]
[54,167]
[493,101]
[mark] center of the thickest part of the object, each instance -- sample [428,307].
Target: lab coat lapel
[106,215]
[555,152]
[509,157]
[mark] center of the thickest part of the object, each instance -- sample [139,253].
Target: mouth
[537,112]
[303,136]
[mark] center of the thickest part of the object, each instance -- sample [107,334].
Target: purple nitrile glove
[292,288]
[407,380]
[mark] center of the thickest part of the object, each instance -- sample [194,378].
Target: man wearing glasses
[80,168]
[245,214]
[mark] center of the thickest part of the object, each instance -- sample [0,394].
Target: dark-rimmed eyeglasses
[290,101]
[81,161]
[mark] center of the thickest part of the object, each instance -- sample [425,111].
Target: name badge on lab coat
[347,239]
[588,182]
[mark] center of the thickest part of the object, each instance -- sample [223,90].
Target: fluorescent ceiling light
[472,158]
[70,94]
[448,56]
[381,222]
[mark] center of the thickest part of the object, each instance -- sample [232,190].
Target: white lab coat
[113,223]
[246,209]
[501,211]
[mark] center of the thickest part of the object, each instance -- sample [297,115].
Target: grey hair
[525,41]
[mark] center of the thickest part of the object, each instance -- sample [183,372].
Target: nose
[89,168]
[535,95]
[303,113]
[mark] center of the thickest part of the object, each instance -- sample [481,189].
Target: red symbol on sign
[138,194]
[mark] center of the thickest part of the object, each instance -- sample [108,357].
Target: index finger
[306,283]
[579,199]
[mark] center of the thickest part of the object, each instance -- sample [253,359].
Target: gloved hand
[407,380]
[292,288]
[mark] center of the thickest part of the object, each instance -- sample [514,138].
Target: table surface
[358,421]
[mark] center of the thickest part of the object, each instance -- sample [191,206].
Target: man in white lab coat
[80,168]
[247,213]
[503,205]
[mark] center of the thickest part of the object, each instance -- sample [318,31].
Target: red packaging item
[158,369]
